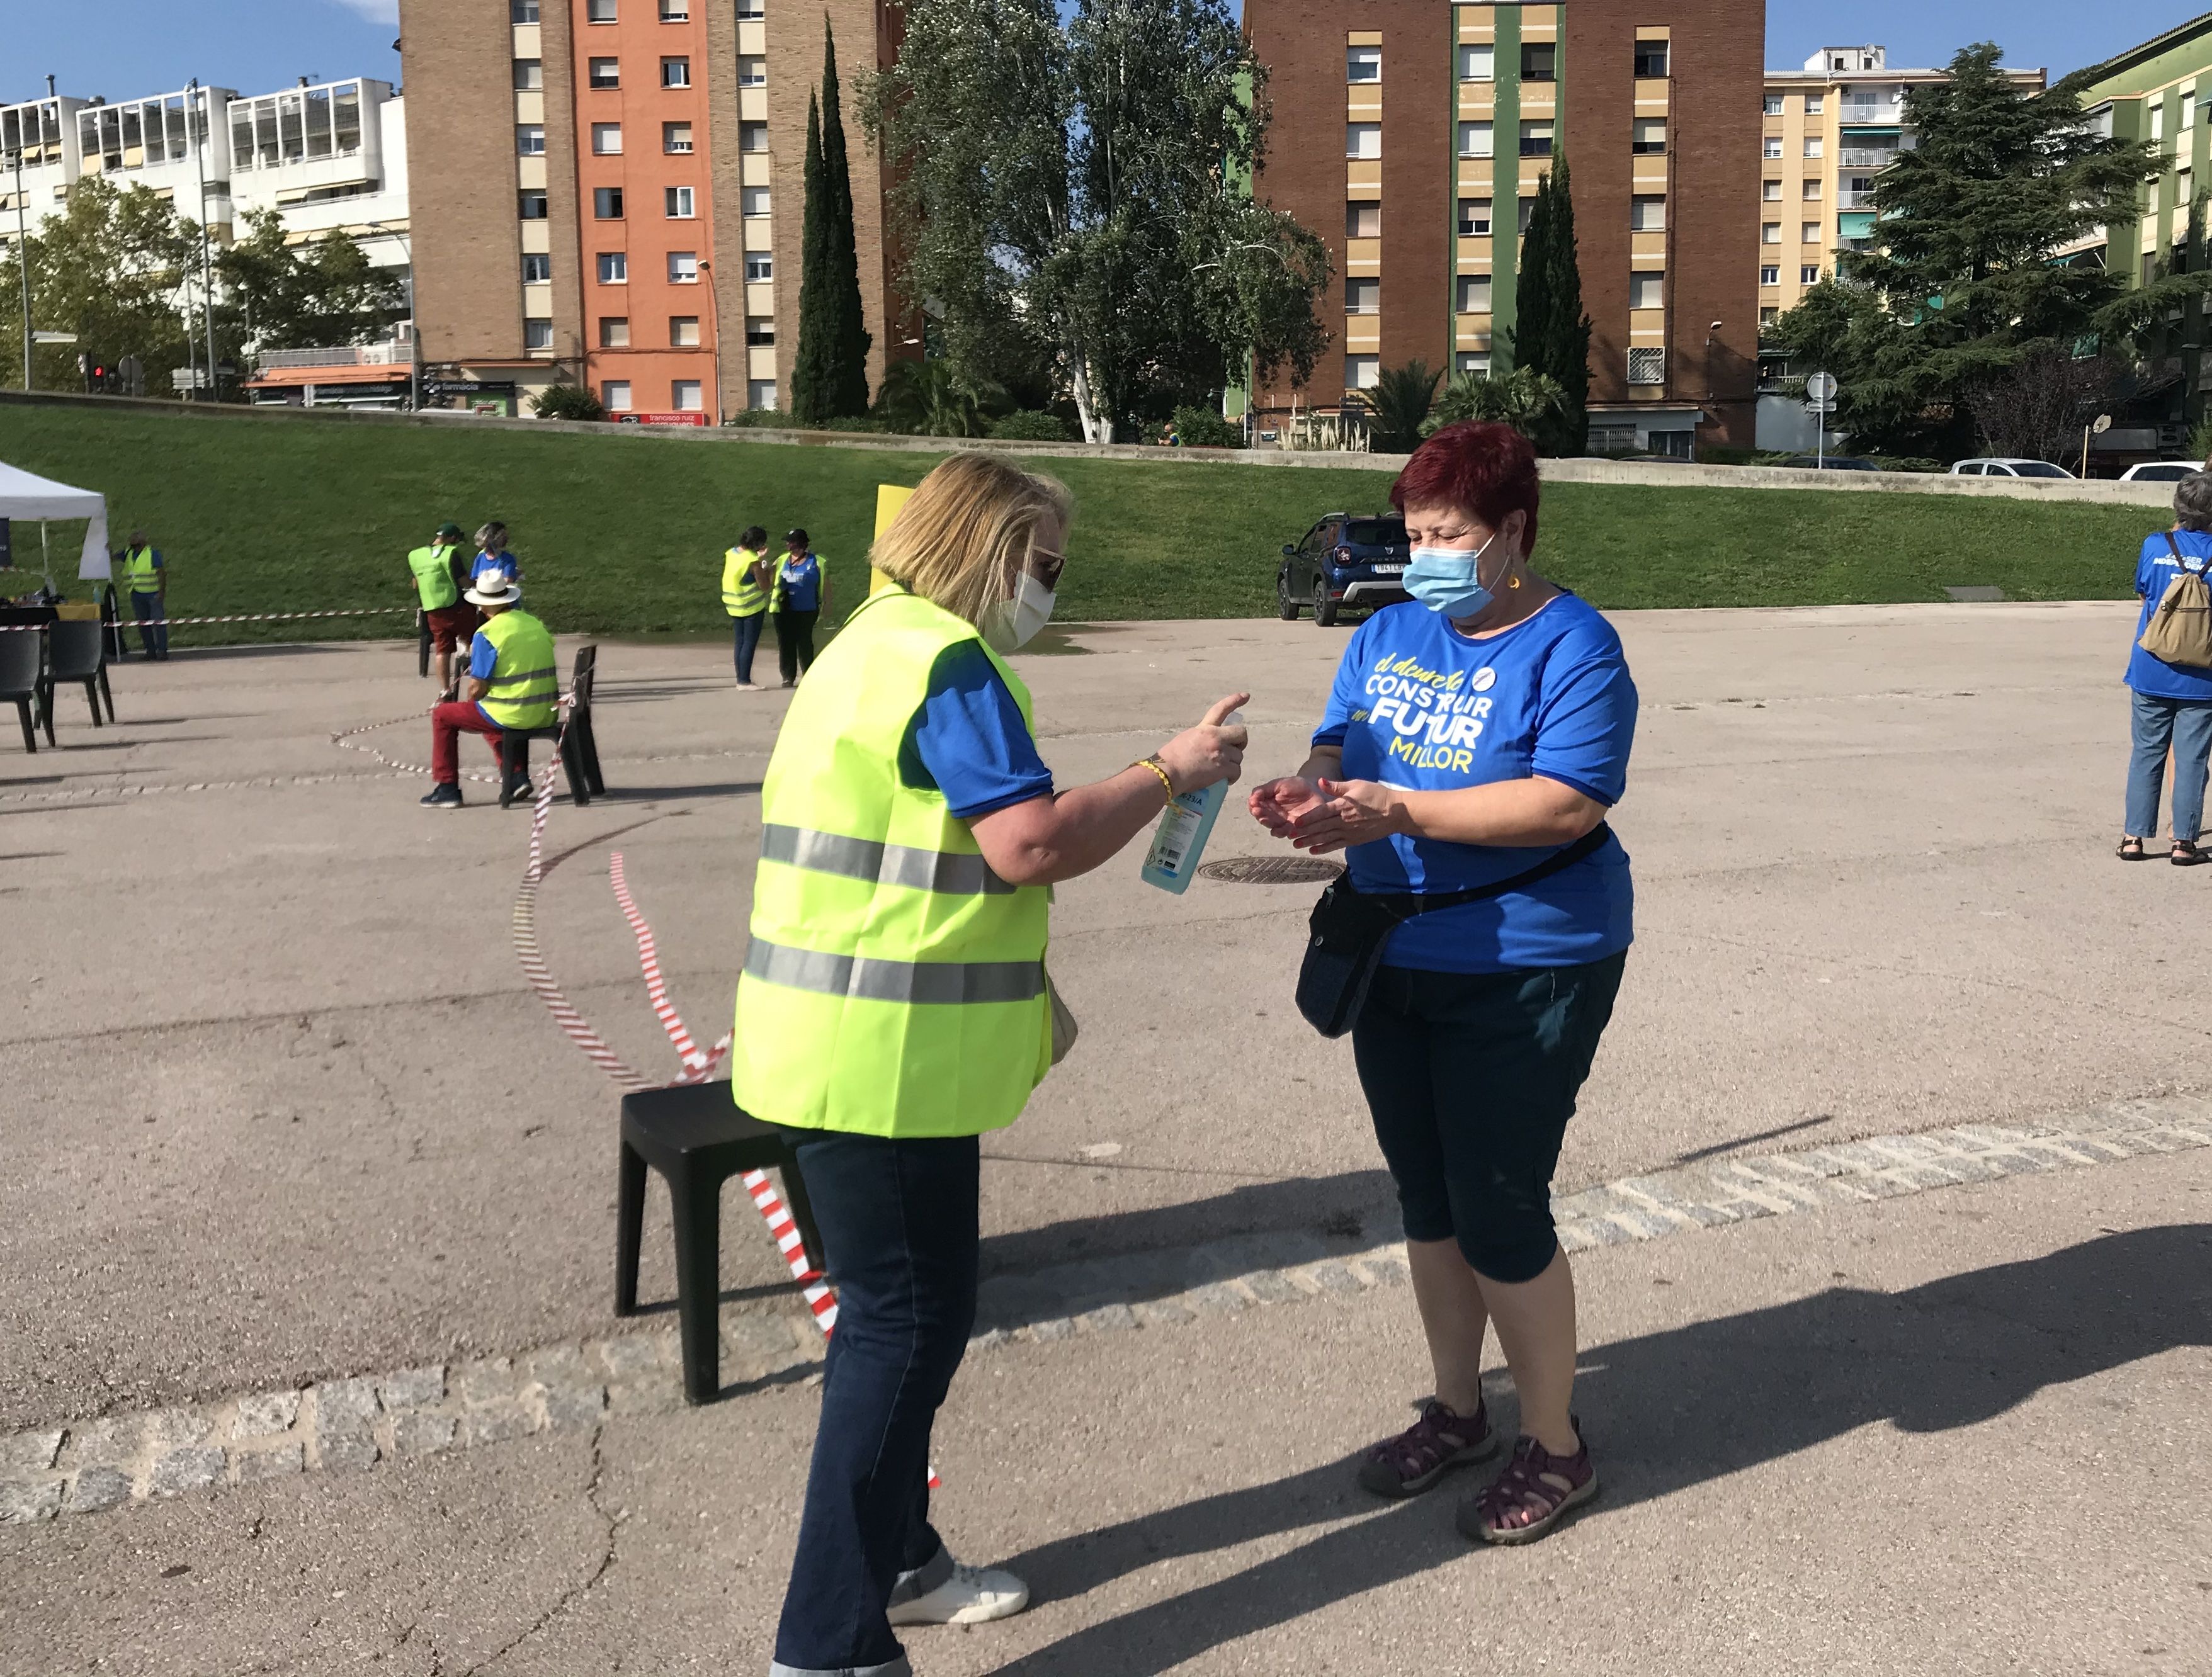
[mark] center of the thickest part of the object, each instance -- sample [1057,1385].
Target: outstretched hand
[1345,813]
[1278,805]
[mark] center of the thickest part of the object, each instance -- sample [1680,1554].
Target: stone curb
[359,1422]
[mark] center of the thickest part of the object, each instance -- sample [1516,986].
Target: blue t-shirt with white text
[968,741]
[2157,567]
[802,583]
[502,562]
[1419,706]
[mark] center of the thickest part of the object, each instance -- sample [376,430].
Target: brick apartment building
[1411,137]
[608,193]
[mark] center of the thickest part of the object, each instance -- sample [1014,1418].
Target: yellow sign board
[889,497]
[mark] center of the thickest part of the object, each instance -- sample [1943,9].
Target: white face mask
[1013,623]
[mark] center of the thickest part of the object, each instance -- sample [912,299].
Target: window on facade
[1769,315]
[1647,213]
[537,334]
[1474,362]
[683,267]
[1363,140]
[1772,147]
[752,137]
[1810,233]
[1611,439]
[687,396]
[1362,63]
[2188,108]
[1772,106]
[529,138]
[1809,274]
[1815,104]
[683,331]
[759,265]
[1474,218]
[1363,297]
[529,75]
[1362,219]
[614,267]
[760,395]
[1477,62]
[606,204]
[760,331]
[607,139]
[536,268]
[1647,367]
[1771,273]
[1650,59]
[1770,233]
[1362,371]
[1477,139]
[522,11]
[752,9]
[531,207]
[1649,136]
[1814,145]
[752,201]
[676,137]
[680,203]
[1535,139]
[1647,290]
[676,72]
[1539,61]
[675,11]
[598,11]
[753,71]
[1473,294]
[1772,191]
[1525,209]
[614,332]
[1811,191]
[603,73]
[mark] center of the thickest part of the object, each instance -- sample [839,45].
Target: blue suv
[1352,560]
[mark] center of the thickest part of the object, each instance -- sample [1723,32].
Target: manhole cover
[1270,870]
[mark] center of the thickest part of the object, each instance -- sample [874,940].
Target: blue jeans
[900,1220]
[153,624]
[748,636]
[2186,726]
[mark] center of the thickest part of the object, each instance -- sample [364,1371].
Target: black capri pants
[1471,1078]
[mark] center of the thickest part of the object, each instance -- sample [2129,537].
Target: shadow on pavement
[1667,1411]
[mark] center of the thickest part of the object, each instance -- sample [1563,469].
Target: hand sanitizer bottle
[1180,839]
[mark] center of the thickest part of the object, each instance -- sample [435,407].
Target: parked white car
[2160,471]
[1991,466]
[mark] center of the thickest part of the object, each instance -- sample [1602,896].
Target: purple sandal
[1534,1494]
[1424,1452]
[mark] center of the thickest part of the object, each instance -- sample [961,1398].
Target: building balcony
[1851,200]
[342,355]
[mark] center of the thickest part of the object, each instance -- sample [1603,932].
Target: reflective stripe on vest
[895,984]
[946,872]
[138,571]
[523,684]
[920,983]
[433,577]
[741,596]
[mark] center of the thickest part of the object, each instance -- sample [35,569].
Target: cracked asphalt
[280,1108]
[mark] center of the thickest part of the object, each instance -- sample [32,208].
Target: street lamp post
[23,261]
[196,111]
[414,322]
[714,339]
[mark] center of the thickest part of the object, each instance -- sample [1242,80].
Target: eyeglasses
[1046,566]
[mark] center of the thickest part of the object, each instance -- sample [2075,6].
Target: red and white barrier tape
[696,1065]
[344,741]
[248,617]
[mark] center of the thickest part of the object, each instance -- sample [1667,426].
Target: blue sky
[127,48]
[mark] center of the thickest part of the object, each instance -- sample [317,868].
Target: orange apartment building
[609,193]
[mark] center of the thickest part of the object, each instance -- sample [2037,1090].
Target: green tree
[1399,406]
[1077,190]
[276,295]
[1524,399]
[117,267]
[928,398]
[830,373]
[1551,334]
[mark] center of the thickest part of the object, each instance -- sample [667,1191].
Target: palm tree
[927,399]
[1523,398]
[1399,404]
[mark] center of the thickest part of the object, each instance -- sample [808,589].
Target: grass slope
[624,536]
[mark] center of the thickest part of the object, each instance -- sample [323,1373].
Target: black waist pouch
[1349,928]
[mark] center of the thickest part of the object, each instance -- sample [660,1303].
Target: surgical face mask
[1448,579]
[1012,622]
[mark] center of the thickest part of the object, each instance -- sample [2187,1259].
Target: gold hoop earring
[1512,582]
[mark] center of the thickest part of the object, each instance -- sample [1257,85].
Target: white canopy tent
[24,495]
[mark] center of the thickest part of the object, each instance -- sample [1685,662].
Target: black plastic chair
[580,749]
[696,1136]
[23,679]
[76,651]
[422,641]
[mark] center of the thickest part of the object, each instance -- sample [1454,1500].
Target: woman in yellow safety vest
[894,1005]
[747,577]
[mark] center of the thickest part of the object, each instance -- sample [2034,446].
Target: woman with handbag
[894,1006]
[1474,739]
[2169,679]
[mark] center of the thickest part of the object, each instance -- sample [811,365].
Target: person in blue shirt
[802,594]
[2173,702]
[493,559]
[1475,733]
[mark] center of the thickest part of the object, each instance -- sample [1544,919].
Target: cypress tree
[1566,350]
[830,373]
[1532,294]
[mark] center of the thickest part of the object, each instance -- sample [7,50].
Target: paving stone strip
[357,1423]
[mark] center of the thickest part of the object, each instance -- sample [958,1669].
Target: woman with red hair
[1474,739]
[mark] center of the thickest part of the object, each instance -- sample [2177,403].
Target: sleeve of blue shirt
[1587,721]
[968,741]
[1344,697]
[483,657]
[2147,563]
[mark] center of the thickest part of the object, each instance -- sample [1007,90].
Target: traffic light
[99,377]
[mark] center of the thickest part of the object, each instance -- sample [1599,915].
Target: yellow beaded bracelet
[1158,768]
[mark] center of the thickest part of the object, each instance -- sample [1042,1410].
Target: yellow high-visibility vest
[523,684]
[741,596]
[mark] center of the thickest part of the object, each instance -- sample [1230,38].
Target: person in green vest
[146,579]
[748,574]
[440,573]
[893,1007]
[513,684]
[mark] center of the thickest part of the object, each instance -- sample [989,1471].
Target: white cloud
[376,11]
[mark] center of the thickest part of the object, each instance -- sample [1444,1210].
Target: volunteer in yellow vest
[145,578]
[511,684]
[453,620]
[748,574]
[894,1005]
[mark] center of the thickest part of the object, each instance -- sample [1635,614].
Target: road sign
[188,377]
[2104,423]
[53,337]
[1821,387]
[1819,407]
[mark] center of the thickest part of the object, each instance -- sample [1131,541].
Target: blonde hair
[968,529]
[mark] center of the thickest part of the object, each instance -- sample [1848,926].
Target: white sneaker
[972,1595]
[749,687]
